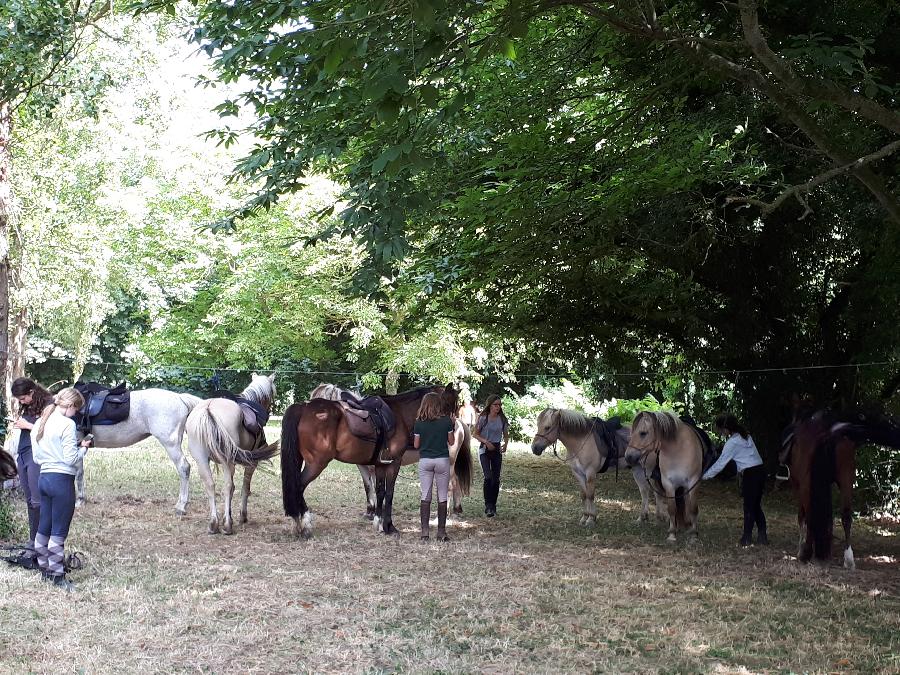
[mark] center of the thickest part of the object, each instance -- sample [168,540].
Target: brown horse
[661,439]
[460,451]
[316,432]
[820,449]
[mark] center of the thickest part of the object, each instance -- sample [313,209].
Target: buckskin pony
[593,446]
[660,439]
[820,449]
[229,432]
[460,451]
[316,432]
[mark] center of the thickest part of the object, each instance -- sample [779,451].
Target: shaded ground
[529,590]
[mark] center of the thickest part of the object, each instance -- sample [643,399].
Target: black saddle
[102,406]
[605,432]
[369,419]
[709,450]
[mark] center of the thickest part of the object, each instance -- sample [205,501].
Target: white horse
[462,440]
[586,457]
[216,432]
[153,412]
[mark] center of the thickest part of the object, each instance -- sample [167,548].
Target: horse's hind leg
[303,523]
[80,498]
[245,491]
[390,481]
[184,474]
[228,496]
[845,483]
[206,476]
[691,514]
[368,478]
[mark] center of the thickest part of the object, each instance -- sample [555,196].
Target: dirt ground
[527,591]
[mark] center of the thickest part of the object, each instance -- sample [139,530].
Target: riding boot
[425,516]
[34,517]
[442,522]
[762,538]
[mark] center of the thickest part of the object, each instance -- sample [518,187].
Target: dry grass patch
[529,590]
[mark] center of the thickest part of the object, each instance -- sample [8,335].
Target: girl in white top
[57,451]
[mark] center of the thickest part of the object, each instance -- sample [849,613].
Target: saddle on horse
[605,432]
[370,419]
[102,406]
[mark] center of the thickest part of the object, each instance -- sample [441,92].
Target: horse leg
[845,484]
[390,481]
[368,479]
[582,487]
[644,488]
[672,505]
[245,491]
[380,490]
[228,496]
[80,499]
[691,514]
[184,475]
[303,523]
[206,476]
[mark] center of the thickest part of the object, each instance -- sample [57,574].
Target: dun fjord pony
[153,412]
[461,450]
[661,439]
[315,433]
[820,450]
[588,456]
[216,432]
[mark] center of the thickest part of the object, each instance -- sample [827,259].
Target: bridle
[645,451]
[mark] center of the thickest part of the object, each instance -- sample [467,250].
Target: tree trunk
[6,209]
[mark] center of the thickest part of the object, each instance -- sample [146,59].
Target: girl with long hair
[432,437]
[33,399]
[492,431]
[57,450]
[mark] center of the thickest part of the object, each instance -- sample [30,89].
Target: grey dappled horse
[586,458]
[153,412]
[462,442]
[216,432]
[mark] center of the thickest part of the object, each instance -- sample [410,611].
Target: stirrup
[786,475]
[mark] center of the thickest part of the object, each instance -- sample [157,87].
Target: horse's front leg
[173,449]
[845,483]
[80,499]
[228,496]
[590,508]
[672,506]
[245,491]
[390,481]
[644,488]
[804,546]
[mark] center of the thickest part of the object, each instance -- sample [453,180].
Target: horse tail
[222,448]
[820,509]
[462,467]
[291,460]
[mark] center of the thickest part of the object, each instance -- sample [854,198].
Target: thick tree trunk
[6,209]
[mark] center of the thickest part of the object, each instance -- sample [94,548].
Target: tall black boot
[425,516]
[34,518]
[442,522]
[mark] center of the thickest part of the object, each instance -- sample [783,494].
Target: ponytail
[66,398]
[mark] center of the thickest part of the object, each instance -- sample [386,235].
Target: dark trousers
[753,482]
[57,504]
[29,475]
[491,462]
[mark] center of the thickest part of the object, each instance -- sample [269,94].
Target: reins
[645,454]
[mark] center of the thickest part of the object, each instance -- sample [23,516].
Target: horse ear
[272,376]
[253,375]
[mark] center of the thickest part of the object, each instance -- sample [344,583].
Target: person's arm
[505,439]
[478,437]
[416,437]
[724,458]
[72,450]
[23,424]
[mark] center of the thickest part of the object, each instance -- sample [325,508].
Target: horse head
[547,430]
[261,389]
[649,432]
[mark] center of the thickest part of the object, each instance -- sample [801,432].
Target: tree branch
[814,88]
[799,191]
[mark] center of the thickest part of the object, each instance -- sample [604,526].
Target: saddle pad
[103,405]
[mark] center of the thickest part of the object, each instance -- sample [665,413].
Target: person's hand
[85,443]
[490,445]
[23,424]
[503,449]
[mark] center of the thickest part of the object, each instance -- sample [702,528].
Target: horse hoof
[390,530]
[212,530]
[306,535]
[849,562]
[244,519]
[227,530]
[369,516]
[79,503]
[672,539]
[180,512]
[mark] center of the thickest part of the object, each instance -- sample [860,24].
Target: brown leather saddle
[370,419]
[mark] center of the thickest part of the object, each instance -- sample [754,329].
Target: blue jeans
[57,504]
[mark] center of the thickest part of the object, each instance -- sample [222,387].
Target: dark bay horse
[460,451]
[316,432]
[7,466]
[820,449]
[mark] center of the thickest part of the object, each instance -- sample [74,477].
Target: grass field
[528,591]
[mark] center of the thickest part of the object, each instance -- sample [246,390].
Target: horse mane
[260,390]
[331,392]
[664,423]
[572,421]
[411,395]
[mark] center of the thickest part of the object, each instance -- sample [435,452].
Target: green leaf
[387,110]
[507,48]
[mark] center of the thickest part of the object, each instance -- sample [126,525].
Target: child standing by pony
[432,437]
[33,399]
[741,448]
[57,451]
